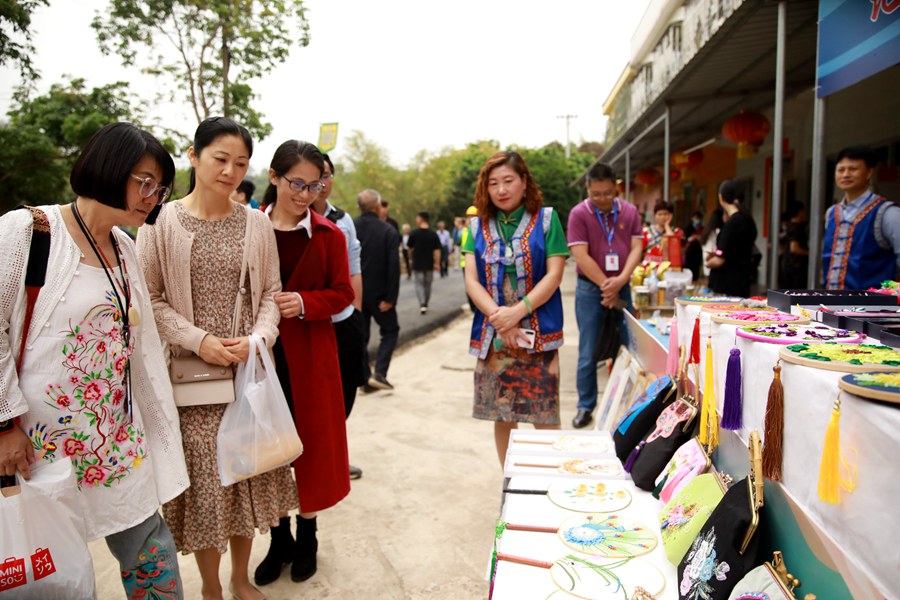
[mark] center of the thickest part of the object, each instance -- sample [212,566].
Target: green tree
[555,175]
[39,143]
[219,46]
[15,21]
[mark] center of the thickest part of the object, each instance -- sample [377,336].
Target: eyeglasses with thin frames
[149,186]
[299,186]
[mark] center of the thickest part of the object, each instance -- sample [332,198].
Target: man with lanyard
[861,247]
[348,324]
[605,237]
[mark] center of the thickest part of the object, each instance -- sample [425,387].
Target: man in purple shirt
[605,238]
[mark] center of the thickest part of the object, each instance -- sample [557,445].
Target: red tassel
[695,344]
[774,430]
[732,411]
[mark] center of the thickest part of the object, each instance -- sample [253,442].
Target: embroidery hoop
[884,393]
[795,357]
[625,538]
[588,495]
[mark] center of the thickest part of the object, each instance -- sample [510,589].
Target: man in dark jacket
[381,283]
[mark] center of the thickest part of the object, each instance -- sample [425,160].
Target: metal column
[666,158]
[778,147]
[628,174]
[817,191]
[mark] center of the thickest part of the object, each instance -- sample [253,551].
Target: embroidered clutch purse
[725,549]
[689,461]
[675,425]
[682,518]
[642,415]
[769,581]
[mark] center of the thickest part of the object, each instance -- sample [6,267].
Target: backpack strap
[35,271]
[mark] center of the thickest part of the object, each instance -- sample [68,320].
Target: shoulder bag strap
[35,271]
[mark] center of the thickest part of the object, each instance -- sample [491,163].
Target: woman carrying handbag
[86,380]
[204,253]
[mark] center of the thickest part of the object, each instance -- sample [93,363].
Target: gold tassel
[830,479]
[774,428]
[709,417]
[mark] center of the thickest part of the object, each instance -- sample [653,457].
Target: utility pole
[567,118]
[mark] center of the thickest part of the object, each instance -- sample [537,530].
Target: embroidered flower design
[677,516]
[122,434]
[92,392]
[94,430]
[701,567]
[93,475]
[72,447]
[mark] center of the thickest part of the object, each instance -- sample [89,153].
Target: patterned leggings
[148,560]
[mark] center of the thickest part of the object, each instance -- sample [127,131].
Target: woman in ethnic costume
[193,260]
[315,279]
[519,251]
[91,386]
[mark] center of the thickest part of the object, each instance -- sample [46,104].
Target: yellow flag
[328,136]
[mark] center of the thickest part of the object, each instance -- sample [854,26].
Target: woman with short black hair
[92,386]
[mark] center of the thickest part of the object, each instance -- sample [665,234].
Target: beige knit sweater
[165,253]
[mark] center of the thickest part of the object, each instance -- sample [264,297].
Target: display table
[857,538]
[525,502]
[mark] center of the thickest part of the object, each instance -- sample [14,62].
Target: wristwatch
[7,426]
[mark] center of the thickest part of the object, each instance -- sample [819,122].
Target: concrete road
[419,524]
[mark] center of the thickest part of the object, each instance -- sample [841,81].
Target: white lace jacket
[151,387]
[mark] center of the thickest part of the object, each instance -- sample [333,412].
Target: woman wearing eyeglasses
[194,258]
[519,252]
[315,280]
[87,381]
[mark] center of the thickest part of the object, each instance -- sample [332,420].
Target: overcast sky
[410,74]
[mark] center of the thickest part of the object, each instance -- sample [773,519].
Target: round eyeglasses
[299,187]
[149,186]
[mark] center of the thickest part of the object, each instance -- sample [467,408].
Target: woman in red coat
[316,284]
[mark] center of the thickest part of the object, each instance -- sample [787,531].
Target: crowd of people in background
[211,269]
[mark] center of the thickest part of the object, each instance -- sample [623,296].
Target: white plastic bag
[257,433]
[43,546]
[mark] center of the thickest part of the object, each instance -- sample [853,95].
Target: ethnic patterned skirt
[514,386]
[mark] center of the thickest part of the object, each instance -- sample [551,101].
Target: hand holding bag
[257,433]
[43,550]
[196,382]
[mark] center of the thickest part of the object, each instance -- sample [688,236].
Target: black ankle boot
[281,552]
[305,549]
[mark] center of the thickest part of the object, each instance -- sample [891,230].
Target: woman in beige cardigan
[193,260]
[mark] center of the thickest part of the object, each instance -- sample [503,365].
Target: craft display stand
[846,550]
[525,502]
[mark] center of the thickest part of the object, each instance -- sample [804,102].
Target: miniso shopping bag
[43,548]
[257,433]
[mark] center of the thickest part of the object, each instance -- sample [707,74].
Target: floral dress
[73,377]
[207,514]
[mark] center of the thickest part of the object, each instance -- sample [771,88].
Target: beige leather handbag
[196,382]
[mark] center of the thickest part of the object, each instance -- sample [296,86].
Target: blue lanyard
[609,232]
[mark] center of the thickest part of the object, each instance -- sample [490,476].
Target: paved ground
[419,523]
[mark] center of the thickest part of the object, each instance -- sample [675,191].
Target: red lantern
[674,175]
[748,129]
[647,178]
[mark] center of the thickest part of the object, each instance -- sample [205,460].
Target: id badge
[612,262]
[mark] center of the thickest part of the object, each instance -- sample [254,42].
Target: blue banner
[857,38]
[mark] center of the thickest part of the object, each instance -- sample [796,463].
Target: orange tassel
[774,429]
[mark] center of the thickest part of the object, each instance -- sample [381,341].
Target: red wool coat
[319,273]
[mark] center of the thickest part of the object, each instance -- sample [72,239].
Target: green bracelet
[527,304]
